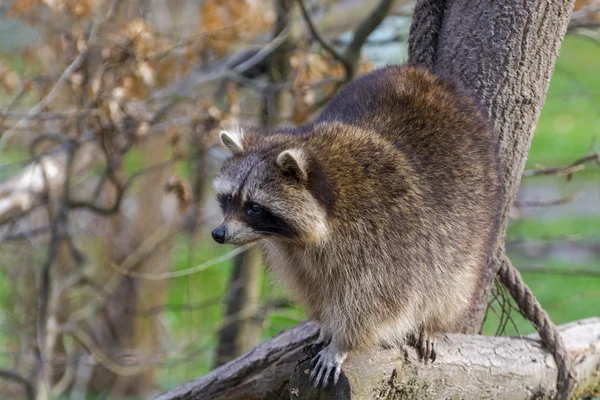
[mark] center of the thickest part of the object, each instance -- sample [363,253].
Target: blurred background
[110,284]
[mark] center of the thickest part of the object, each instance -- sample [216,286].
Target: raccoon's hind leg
[426,345]
[327,364]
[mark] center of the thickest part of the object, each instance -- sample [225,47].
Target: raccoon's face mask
[264,193]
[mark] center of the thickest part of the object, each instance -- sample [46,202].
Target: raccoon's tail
[533,311]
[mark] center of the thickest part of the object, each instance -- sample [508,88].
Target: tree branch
[576,166]
[498,367]
[21,380]
[324,42]
[587,17]
[351,55]
[362,32]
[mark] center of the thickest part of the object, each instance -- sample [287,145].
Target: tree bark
[503,53]
[498,368]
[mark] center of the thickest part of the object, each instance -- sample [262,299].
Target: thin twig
[69,373]
[178,90]
[362,32]
[121,190]
[324,43]
[576,166]
[113,366]
[47,115]
[547,203]
[189,271]
[18,378]
[46,100]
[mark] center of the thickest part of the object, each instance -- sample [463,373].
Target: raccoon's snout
[219,234]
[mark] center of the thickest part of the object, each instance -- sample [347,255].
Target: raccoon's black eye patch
[253,208]
[225,200]
[262,220]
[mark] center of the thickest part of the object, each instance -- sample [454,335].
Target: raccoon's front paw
[426,346]
[327,363]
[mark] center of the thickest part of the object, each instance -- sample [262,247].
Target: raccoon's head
[268,189]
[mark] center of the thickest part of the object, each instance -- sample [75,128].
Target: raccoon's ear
[293,162]
[232,140]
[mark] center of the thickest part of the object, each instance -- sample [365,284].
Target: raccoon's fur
[378,216]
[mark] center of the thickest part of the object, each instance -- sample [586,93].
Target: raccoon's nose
[219,234]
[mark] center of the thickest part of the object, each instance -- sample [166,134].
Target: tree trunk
[503,53]
[117,330]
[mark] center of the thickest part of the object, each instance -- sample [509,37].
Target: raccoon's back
[428,117]
[438,128]
[444,136]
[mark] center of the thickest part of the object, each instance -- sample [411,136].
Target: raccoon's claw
[327,363]
[426,347]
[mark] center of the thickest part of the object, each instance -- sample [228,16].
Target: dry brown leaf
[579,4]
[181,188]
[9,79]
[227,22]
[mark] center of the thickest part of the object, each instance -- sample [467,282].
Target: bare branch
[21,380]
[348,68]
[351,55]
[238,64]
[118,369]
[576,166]
[362,32]
[546,203]
[177,274]
[4,139]
[587,17]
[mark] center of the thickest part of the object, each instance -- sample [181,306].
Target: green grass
[570,118]
[572,227]
[568,125]
[565,298]
[196,327]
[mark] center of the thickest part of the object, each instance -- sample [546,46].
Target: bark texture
[503,53]
[498,368]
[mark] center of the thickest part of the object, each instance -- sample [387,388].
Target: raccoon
[378,215]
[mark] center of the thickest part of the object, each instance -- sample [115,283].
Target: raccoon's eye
[228,198]
[254,209]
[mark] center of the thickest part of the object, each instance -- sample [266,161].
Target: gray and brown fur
[378,215]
